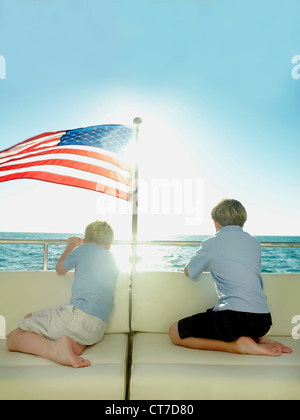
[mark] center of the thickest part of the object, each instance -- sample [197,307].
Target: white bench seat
[25,376]
[161,370]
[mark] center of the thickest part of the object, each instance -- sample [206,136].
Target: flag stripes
[83,158]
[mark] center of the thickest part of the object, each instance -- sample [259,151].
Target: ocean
[150,257]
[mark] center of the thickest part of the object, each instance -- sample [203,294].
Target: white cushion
[24,376]
[161,370]
[161,298]
[283,293]
[22,292]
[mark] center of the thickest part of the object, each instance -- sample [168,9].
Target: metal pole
[137,121]
[45,265]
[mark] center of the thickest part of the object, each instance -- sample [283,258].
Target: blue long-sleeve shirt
[233,258]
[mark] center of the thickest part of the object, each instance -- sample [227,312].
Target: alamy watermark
[296,68]
[296,329]
[161,196]
[2,327]
[2,67]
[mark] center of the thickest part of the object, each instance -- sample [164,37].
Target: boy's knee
[10,340]
[173,333]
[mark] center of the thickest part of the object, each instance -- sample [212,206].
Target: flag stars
[109,137]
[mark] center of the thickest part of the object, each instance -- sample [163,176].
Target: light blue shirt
[94,280]
[233,258]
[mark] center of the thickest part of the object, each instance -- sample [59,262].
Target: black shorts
[225,325]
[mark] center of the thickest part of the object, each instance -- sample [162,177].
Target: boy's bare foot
[62,353]
[267,340]
[77,348]
[246,345]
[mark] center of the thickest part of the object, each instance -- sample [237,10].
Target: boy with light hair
[61,334]
[99,233]
[241,318]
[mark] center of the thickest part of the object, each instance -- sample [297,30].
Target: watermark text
[162,196]
[296,329]
[2,67]
[296,68]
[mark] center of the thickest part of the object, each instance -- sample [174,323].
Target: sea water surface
[150,257]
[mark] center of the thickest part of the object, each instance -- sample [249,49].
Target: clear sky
[213,81]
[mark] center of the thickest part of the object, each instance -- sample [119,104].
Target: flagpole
[137,121]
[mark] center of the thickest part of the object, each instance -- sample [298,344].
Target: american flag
[89,158]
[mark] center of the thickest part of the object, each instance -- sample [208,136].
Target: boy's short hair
[229,212]
[99,232]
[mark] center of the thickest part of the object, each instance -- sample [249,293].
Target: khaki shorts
[65,320]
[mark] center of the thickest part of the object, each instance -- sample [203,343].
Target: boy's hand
[74,241]
[186,272]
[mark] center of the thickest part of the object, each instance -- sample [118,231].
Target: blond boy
[61,334]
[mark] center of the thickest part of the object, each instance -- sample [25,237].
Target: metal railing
[134,244]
